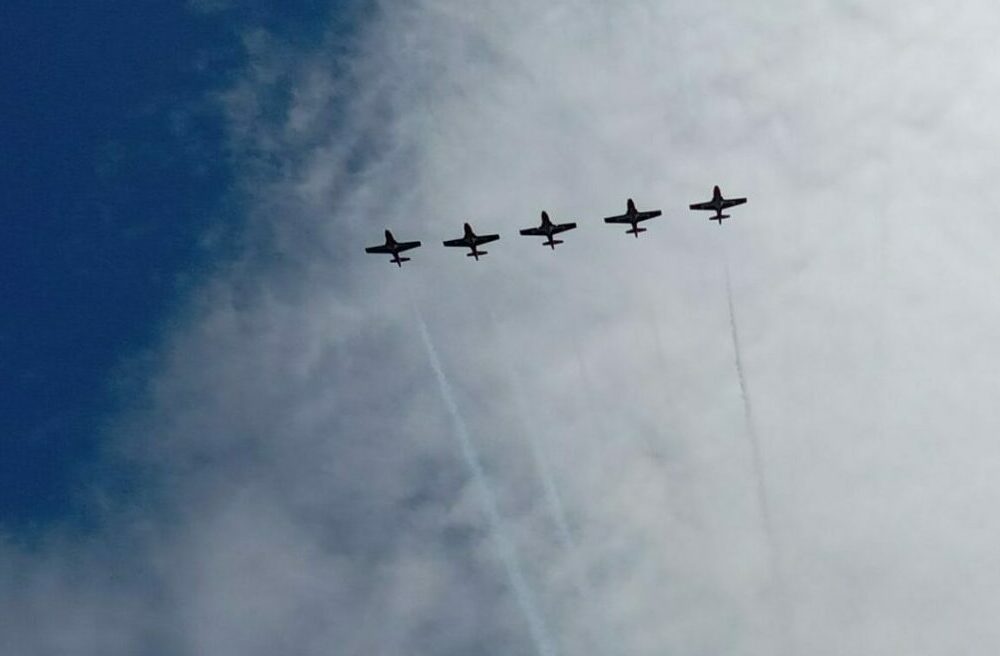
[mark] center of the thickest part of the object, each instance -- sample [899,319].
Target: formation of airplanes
[549,230]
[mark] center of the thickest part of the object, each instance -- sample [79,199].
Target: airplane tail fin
[552,243]
[635,231]
[401,260]
[476,254]
[719,218]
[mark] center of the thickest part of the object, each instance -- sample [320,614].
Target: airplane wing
[532,232]
[702,206]
[378,249]
[562,227]
[407,245]
[485,239]
[731,202]
[457,242]
[643,216]
[621,218]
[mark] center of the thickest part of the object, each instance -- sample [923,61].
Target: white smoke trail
[553,500]
[544,470]
[542,467]
[515,574]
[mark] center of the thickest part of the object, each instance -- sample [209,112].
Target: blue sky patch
[114,165]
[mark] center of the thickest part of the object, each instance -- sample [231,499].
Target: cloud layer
[309,491]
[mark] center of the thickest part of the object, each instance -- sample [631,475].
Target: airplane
[548,229]
[394,247]
[717,204]
[633,217]
[472,240]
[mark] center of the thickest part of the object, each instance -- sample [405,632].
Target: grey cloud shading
[309,494]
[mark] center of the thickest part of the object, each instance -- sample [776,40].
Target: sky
[231,431]
[116,169]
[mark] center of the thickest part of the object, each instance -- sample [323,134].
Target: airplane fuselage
[548,230]
[394,248]
[633,216]
[717,204]
[471,240]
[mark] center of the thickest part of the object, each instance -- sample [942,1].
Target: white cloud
[315,500]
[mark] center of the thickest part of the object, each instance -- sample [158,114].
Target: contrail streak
[542,467]
[758,464]
[783,608]
[602,639]
[511,563]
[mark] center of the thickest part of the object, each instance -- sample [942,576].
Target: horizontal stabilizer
[476,254]
[552,243]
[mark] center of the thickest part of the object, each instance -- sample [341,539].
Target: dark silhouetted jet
[394,248]
[717,204]
[548,229]
[633,217]
[471,240]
